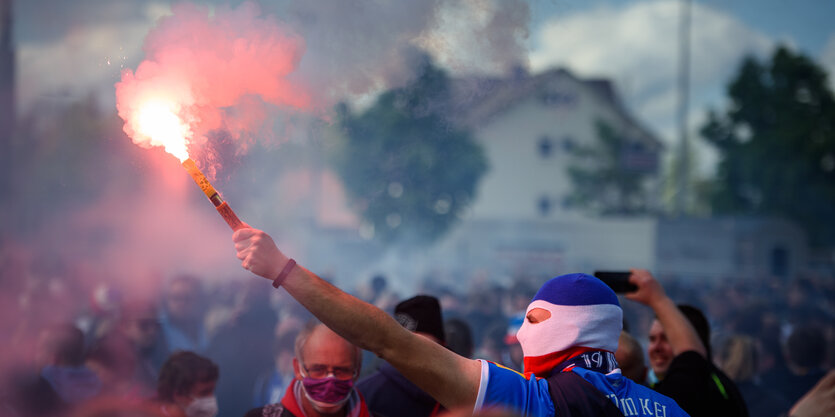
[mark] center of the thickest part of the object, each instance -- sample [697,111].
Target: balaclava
[585,316]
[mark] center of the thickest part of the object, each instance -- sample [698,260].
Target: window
[568,144]
[562,99]
[567,203]
[545,146]
[544,205]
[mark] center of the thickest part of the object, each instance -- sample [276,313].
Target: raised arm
[819,401]
[449,378]
[679,331]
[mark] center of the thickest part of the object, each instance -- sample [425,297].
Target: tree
[610,176]
[408,171]
[777,144]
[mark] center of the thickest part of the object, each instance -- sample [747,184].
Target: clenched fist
[258,253]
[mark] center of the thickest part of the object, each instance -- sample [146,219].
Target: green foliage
[407,170]
[777,144]
[697,202]
[601,180]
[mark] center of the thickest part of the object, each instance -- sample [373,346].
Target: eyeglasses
[323,371]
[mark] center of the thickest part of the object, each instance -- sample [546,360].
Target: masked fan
[326,367]
[186,386]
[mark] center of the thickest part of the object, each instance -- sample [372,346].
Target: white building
[519,221]
[529,126]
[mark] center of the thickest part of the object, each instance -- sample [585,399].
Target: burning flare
[156,124]
[199,64]
[159,122]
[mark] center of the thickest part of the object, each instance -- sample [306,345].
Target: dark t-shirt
[700,388]
[388,393]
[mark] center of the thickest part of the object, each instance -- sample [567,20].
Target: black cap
[421,313]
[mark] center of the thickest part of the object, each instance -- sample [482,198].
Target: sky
[356,48]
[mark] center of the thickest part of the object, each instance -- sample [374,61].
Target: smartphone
[618,281]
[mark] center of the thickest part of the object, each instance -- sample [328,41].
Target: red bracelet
[284,272]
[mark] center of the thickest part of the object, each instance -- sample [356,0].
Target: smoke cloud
[480,36]
[127,217]
[360,48]
[200,64]
[217,68]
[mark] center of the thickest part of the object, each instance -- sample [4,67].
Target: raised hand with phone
[679,355]
[618,281]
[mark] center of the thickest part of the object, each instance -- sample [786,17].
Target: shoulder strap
[573,396]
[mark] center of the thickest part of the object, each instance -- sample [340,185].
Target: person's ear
[296,369]
[357,372]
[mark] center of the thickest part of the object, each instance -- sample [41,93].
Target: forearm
[346,315]
[680,333]
[819,401]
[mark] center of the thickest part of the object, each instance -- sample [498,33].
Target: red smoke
[203,64]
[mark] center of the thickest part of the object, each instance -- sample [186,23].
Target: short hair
[632,364]
[304,335]
[739,357]
[182,371]
[806,347]
[65,343]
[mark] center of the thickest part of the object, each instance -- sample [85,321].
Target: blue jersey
[504,387]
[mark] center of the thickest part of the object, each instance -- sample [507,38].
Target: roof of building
[477,100]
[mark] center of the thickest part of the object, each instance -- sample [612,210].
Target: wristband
[284,272]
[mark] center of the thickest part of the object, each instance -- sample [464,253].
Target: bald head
[316,343]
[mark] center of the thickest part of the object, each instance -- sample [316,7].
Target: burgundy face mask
[327,390]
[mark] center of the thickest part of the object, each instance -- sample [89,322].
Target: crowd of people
[565,345]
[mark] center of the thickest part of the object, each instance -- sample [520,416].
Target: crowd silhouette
[80,347]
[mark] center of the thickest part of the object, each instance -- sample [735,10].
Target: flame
[159,122]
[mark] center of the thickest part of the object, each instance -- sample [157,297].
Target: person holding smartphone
[679,355]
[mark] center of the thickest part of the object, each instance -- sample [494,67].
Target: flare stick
[222,207]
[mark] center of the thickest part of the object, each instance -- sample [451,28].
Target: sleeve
[502,387]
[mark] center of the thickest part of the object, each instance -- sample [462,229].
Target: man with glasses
[326,367]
